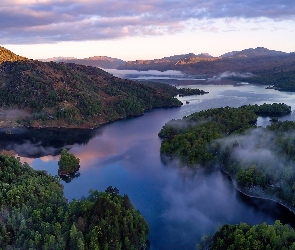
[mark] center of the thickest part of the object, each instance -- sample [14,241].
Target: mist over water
[153,75]
[180,204]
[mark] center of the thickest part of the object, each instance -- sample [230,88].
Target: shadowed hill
[243,61]
[268,67]
[49,94]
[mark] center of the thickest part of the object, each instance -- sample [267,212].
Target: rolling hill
[50,94]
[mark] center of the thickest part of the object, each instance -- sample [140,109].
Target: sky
[144,29]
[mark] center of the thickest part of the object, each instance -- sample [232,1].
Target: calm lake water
[180,204]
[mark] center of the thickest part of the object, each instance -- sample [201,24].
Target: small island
[68,163]
[188,92]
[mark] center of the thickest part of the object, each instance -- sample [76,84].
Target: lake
[180,204]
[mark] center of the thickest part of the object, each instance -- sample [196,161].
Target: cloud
[40,21]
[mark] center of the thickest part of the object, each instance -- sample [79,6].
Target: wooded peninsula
[259,160]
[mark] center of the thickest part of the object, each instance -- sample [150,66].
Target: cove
[180,204]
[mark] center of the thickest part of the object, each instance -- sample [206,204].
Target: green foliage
[112,221]
[35,215]
[189,91]
[274,109]
[30,202]
[68,163]
[283,80]
[263,236]
[275,177]
[60,94]
[190,138]
[217,136]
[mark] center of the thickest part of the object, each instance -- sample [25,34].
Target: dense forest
[260,160]
[283,80]
[245,236]
[192,139]
[34,214]
[69,95]
[270,164]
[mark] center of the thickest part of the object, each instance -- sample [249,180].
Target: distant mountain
[259,51]
[266,66]
[50,94]
[95,61]
[206,64]
[57,59]
[177,57]
[164,63]
[7,55]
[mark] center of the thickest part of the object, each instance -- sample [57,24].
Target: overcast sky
[144,29]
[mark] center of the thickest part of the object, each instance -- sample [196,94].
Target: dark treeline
[245,236]
[279,80]
[192,138]
[189,91]
[34,214]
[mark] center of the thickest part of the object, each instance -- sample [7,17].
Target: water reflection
[180,204]
[69,177]
[35,143]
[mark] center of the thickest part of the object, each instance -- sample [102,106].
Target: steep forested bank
[261,160]
[34,214]
[70,95]
[192,139]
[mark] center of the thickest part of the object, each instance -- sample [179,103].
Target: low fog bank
[228,74]
[151,74]
[265,149]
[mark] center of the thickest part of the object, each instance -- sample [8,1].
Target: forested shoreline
[245,236]
[260,161]
[34,214]
[74,96]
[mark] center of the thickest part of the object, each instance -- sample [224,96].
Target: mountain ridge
[104,62]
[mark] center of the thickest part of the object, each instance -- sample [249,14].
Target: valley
[126,153]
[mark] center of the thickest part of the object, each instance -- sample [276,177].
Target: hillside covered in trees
[192,139]
[34,214]
[49,94]
[260,160]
